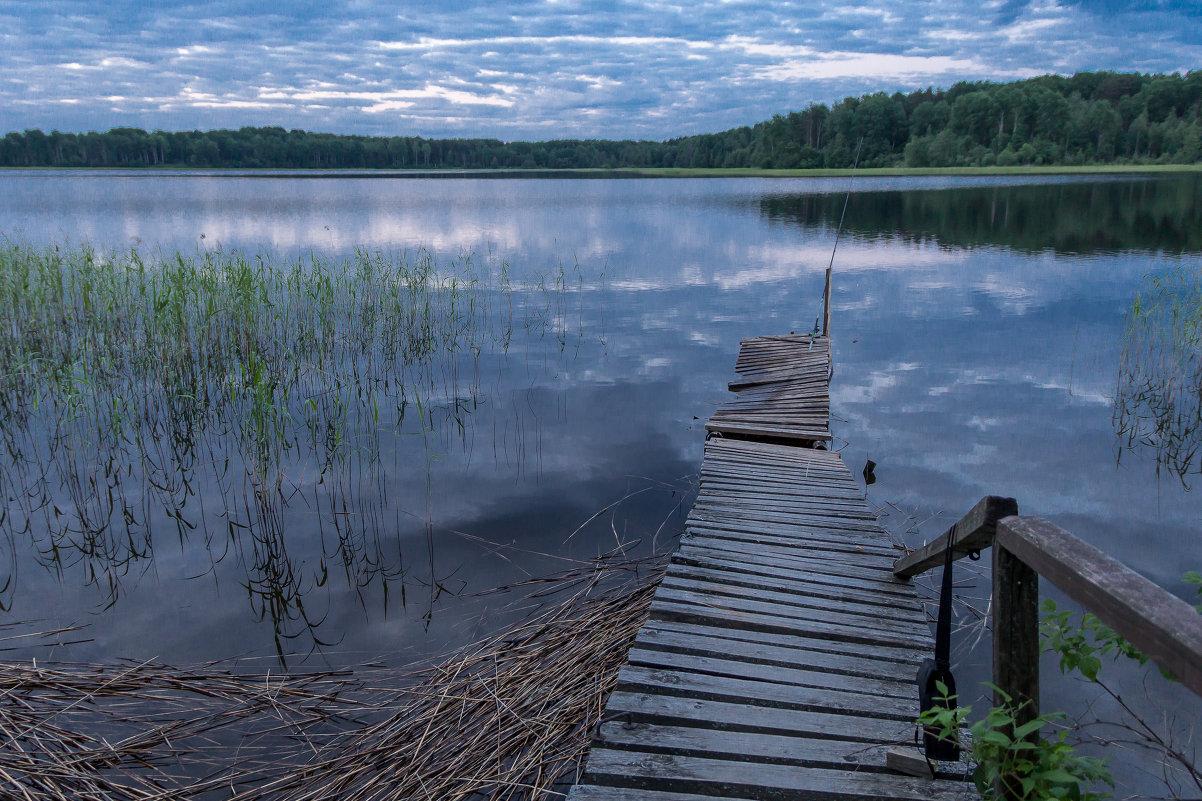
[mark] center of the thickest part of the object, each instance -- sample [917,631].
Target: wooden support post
[826,305]
[1015,639]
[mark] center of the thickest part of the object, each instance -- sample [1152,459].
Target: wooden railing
[1158,623]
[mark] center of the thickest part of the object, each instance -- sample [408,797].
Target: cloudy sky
[539,69]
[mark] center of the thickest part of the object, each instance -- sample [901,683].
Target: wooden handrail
[1165,628]
[973,532]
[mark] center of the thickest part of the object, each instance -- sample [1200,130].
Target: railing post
[1015,640]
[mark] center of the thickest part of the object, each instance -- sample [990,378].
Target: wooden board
[783,391]
[750,779]
[780,654]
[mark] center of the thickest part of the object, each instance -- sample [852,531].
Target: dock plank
[631,707]
[739,779]
[709,641]
[782,391]
[797,641]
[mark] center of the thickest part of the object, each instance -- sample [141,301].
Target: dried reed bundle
[508,717]
[139,731]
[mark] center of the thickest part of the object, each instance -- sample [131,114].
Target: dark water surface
[977,326]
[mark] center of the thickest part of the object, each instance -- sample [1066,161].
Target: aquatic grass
[1158,400]
[201,393]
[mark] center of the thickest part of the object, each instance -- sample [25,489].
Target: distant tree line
[1089,118]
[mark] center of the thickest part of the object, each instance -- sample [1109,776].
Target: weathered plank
[725,716]
[837,531]
[701,557]
[748,779]
[798,532]
[714,614]
[783,391]
[875,565]
[803,541]
[755,693]
[840,598]
[865,576]
[757,671]
[821,605]
[791,749]
[766,430]
[597,792]
[906,658]
[1015,634]
[773,503]
[702,640]
[719,513]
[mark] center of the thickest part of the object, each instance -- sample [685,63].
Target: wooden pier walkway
[783,391]
[779,658]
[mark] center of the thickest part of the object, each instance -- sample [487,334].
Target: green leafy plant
[1069,641]
[1006,750]
[1195,578]
[1080,646]
[1009,756]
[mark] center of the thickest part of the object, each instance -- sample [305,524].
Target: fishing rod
[826,292]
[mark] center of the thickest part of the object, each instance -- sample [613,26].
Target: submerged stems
[198,394]
[1158,402]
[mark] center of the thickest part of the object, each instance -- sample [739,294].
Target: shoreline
[618,172]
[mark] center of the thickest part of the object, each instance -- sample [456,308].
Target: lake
[977,327]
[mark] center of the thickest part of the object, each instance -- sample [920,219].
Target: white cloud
[641,69]
[117,62]
[392,99]
[832,66]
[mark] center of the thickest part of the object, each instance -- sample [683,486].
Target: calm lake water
[977,327]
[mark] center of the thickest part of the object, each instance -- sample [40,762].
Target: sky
[540,69]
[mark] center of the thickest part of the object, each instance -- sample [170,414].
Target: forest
[1088,118]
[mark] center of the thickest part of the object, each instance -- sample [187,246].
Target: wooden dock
[780,654]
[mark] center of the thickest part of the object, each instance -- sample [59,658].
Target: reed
[1158,400]
[505,718]
[194,397]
